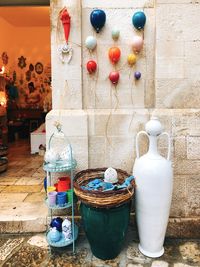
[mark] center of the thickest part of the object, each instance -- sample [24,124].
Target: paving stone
[27,180]
[2,187]
[8,247]
[190,251]
[134,254]
[35,197]
[7,180]
[133,265]
[13,197]
[38,241]
[159,264]
[23,188]
[184,265]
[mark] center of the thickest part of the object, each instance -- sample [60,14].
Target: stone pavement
[32,251]
[21,191]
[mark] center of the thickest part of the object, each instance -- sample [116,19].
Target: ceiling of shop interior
[24,2]
[26,16]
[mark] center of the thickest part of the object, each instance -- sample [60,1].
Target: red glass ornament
[114,54]
[114,77]
[91,66]
[65,18]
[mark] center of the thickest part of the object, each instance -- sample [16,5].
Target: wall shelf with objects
[60,196]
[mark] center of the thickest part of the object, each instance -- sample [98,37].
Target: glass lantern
[59,155]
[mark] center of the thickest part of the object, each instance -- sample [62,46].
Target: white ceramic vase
[154,183]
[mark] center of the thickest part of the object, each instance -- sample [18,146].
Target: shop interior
[25,75]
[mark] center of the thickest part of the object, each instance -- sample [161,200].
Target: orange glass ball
[114,54]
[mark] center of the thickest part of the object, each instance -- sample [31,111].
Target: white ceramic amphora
[154,183]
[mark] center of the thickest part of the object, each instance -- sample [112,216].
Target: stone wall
[101,130]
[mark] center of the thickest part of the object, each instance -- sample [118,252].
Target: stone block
[169,68]
[63,97]
[179,197]
[193,195]
[74,122]
[180,147]
[188,167]
[183,228]
[159,264]
[193,147]
[117,4]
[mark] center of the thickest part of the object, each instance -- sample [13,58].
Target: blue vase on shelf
[54,235]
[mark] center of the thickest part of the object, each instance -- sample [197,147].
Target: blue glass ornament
[139,20]
[57,223]
[98,19]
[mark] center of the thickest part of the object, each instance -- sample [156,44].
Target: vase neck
[153,149]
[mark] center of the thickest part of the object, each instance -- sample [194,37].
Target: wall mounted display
[115,33]
[22,62]
[91,43]
[91,66]
[137,43]
[139,20]
[114,54]
[137,75]
[114,77]
[4,58]
[65,50]
[98,19]
[28,75]
[14,76]
[38,68]
[31,67]
[131,59]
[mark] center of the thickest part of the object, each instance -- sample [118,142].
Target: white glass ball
[91,42]
[115,33]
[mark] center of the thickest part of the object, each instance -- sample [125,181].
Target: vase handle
[169,144]
[137,147]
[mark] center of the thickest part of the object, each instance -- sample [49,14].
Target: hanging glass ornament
[98,19]
[91,42]
[91,66]
[137,75]
[131,59]
[114,54]
[139,20]
[137,43]
[114,77]
[115,33]
[65,50]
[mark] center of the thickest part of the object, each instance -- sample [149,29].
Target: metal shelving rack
[62,166]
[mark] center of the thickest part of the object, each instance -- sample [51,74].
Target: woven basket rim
[97,198]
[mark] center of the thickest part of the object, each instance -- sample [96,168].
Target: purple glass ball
[137,75]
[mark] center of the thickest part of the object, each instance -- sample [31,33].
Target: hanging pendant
[65,51]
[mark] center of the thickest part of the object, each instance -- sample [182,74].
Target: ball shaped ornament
[114,77]
[98,19]
[91,66]
[91,42]
[139,20]
[114,54]
[137,43]
[137,75]
[131,59]
[115,33]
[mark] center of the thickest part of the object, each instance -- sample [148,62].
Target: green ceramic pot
[106,229]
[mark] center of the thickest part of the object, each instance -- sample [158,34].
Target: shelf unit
[62,166]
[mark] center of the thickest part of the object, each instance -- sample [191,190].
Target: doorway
[26,72]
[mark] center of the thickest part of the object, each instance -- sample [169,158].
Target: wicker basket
[102,199]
